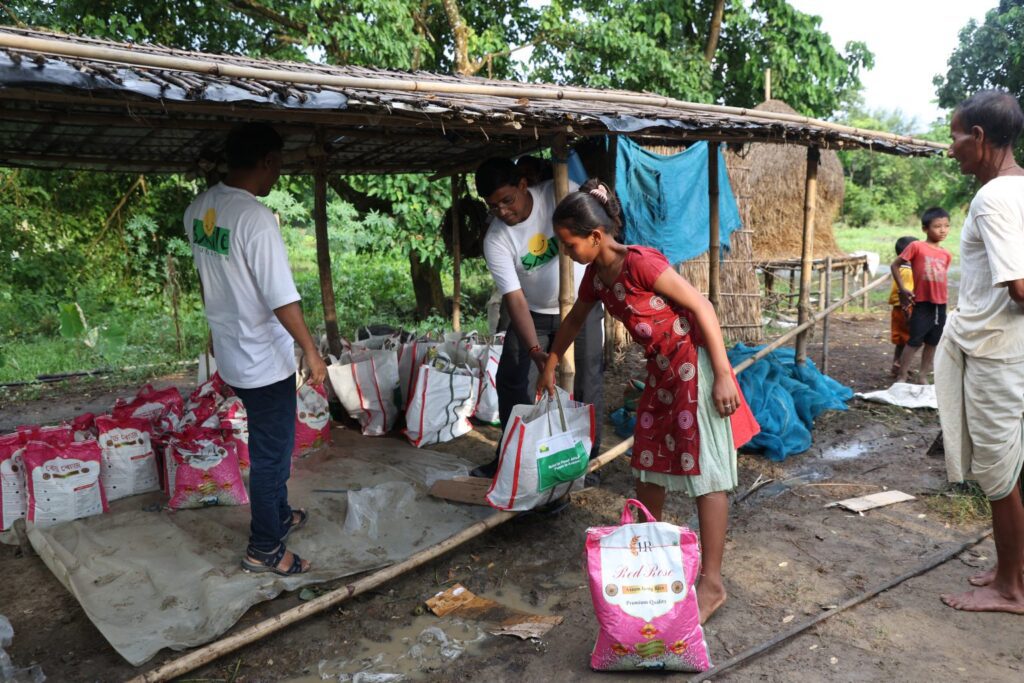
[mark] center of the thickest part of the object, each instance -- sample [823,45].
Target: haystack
[768,181]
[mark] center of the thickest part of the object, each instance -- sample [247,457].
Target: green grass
[962,504]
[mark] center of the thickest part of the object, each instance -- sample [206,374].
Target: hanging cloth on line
[665,199]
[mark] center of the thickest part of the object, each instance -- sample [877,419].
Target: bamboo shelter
[769,184]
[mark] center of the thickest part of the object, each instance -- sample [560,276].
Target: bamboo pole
[566,283]
[767,84]
[821,289]
[714,248]
[456,257]
[803,326]
[807,255]
[826,301]
[864,275]
[323,257]
[611,155]
[846,283]
[318,75]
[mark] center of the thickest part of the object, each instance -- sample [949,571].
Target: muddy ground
[787,559]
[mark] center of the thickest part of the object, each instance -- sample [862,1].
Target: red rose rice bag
[235,426]
[13,489]
[63,481]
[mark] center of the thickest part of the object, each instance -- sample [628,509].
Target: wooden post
[864,275]
[826,300]
[323,256]
[807,252]
[821,289]
[767,84]
[846,283]
[566,282]
[456,257]
[609,321]
[714,248]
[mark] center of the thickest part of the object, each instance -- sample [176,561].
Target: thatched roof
[768,181]
[74,102]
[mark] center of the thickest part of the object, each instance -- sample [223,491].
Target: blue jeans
[271,414]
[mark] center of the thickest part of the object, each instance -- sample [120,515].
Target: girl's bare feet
[710,596]
[983,578]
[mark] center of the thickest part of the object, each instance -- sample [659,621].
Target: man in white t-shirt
[522,255]
[979,368]
[255,319]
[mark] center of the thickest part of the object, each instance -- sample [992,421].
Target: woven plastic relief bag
[642,578]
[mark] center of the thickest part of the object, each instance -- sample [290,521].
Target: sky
[911,41]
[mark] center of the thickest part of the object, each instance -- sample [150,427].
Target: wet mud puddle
[418,650]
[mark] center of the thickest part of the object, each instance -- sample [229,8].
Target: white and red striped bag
[441,403]
[365,382]
[544,453]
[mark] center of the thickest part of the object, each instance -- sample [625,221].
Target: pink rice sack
[156,406]
[13,489]
[205,473]
[642,579]
[312,420]
[129,460]
[235,425]
[63,481]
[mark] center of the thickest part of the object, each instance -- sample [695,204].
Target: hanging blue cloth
[785,398]
[577,173]
[665,199]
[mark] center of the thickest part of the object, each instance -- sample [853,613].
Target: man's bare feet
[985,599]
[710,596]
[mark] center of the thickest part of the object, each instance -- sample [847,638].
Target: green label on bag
[557,466]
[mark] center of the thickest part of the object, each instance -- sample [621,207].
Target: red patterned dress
[667,439]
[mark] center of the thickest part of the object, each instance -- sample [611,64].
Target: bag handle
[561,413]
[627,514]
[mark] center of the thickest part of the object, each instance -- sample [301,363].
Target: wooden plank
[471,490]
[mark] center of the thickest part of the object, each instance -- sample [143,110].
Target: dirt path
[787,558]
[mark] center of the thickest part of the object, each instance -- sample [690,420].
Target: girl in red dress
[692,415]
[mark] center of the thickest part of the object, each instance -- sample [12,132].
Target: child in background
[899,323]
[691,416]
[930,262]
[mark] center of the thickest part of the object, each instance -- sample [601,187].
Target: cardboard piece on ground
[874,500]
[462,490]
[500,620]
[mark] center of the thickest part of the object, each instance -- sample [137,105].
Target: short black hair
[495,173]
[931,214]
[250,143]
[998,113]
[904,242]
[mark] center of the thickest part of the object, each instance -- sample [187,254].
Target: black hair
[931,214]
[495,173]
[535,169]
[904,242]
[593,207]
[996,112]
[250,143]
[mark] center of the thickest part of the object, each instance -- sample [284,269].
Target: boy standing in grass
[899,323]
[929,263]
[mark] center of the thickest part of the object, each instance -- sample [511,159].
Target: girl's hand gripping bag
[642,579]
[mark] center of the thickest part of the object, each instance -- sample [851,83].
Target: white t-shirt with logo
[243,265]
[987,323]
[525,256]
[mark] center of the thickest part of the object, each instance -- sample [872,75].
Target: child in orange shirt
[899,323]
[930,262]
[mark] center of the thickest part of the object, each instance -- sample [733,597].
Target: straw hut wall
[740,292]
[768,181]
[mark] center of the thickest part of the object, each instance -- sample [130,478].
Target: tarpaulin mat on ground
[785,398]
[150,579]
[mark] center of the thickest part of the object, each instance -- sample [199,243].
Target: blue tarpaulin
[665,199]
[786,398]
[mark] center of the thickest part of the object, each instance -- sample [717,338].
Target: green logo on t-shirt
[208,235]
[541,250]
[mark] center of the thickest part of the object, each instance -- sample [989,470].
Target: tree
[987,56]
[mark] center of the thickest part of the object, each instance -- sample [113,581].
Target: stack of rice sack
[437,383]
[197,451]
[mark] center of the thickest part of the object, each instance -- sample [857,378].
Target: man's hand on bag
[317,369]
[540,357]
